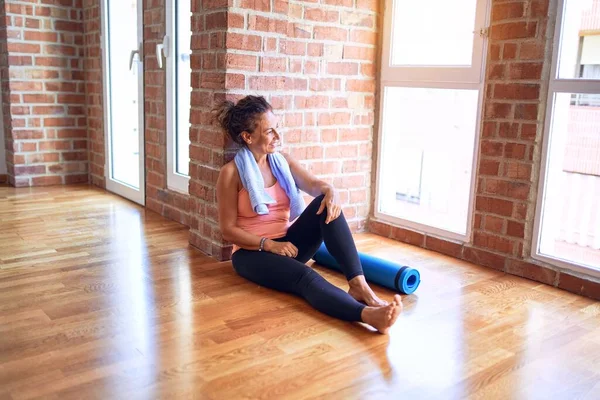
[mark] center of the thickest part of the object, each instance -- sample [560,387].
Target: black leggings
[291,275]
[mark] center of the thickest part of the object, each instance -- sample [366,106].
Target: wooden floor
[101,299]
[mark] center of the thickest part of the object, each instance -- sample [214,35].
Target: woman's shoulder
[229,173]
[229,167]
[292,162]
[288,157]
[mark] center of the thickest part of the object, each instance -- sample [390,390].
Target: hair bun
[224,112]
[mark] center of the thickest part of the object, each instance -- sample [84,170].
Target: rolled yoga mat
[385,273]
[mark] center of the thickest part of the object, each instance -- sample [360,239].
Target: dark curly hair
[243,116]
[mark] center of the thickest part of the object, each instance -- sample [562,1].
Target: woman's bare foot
[360,290]
[382,318]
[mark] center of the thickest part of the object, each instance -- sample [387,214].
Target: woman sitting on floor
[258,196]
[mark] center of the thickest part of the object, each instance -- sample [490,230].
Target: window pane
[433,32]
[580,41]
[570,228]
[427,155]
[183,86]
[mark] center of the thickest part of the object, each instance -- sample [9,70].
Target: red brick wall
[159,198]
[509,154]
[315,63]
[209,81]
[93,90]
[317,67]
[44,93]
[512,124]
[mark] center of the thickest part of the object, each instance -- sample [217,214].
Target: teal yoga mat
[400,278]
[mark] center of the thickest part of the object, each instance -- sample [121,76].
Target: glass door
[123,69]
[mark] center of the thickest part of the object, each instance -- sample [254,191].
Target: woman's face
[265,139]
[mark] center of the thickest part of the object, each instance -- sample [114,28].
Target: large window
[431,88]
[567,230]
[177,51]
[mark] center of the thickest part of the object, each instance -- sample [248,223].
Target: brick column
[207,151]
[512,130]
[94,90]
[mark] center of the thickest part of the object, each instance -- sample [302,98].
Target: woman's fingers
[288,250]
[333,212]
[321,207]
[293,250]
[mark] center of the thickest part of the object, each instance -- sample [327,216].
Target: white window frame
[433,74]
[557,85]
[175,180]
[433,77]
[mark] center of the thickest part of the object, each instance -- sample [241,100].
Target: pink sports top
[272,225]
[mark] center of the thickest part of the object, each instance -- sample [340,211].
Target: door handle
[133,53]
[159,49]
[483,32]
[164,49]
[139,53]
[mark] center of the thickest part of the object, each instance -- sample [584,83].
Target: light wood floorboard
[101,299]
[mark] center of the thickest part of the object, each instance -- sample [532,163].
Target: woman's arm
[315,187]
[227,200]
[305,180]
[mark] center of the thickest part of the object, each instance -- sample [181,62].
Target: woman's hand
[281,248]
[331,202]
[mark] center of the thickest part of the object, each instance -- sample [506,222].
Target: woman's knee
[309,280]
[240,264]
[238,268]
[316,203]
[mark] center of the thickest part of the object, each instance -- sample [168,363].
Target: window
[567,224]
[431,88]
[177,52]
